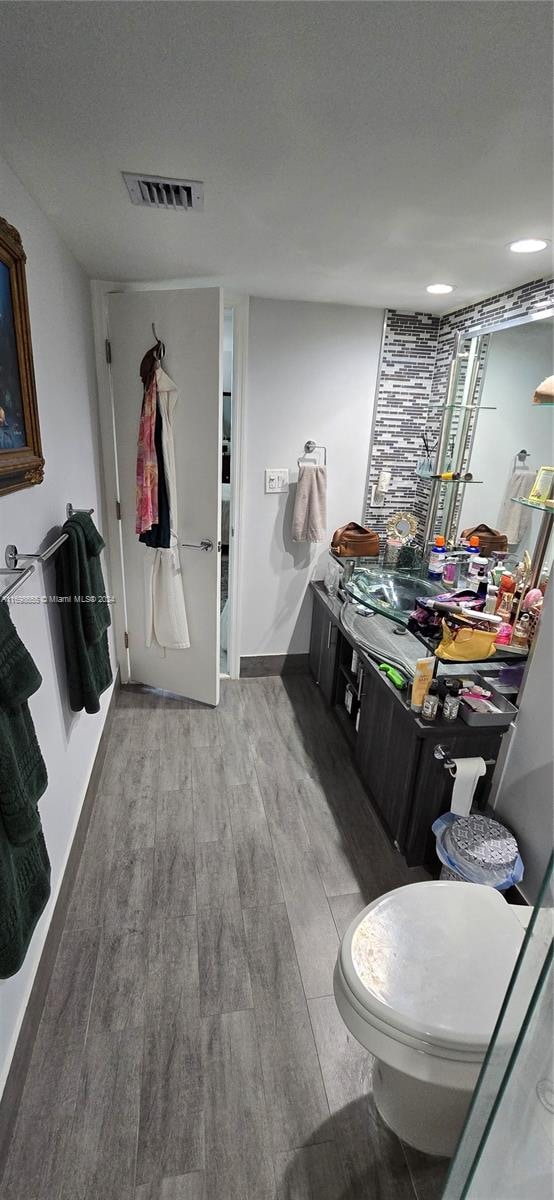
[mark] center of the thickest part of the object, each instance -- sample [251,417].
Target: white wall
[526,788]
[311,374]
[59,304]
[518,360]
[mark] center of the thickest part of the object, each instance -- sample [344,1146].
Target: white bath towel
[309,519]
[514,519]
[164,602]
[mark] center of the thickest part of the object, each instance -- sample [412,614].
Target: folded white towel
[309,519]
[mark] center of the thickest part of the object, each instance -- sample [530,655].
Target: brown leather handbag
[352,540]
[489,539]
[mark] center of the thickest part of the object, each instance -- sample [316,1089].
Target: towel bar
[13,557]
[70,511]
[309,448]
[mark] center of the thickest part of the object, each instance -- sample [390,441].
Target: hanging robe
[165,612]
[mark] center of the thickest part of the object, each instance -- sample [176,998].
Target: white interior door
[190,323]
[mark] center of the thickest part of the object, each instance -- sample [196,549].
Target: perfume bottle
[521,631]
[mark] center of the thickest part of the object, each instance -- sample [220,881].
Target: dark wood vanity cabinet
[386,755]
[393,748]
[323,651]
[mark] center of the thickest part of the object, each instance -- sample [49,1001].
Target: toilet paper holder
[442,755]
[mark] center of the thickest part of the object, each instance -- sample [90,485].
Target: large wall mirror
[492,429]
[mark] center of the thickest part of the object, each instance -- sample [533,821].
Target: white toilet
[419,981]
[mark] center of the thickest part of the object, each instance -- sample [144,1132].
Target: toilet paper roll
[466,773]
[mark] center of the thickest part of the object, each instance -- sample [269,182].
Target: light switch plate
[276,479]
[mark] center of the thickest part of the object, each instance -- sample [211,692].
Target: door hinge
[108,346]
[126,639]
[118,509]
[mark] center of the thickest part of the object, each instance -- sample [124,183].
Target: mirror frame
[474,334]
[478,330]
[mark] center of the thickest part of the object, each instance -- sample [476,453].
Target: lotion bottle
[422,678]
[437,558]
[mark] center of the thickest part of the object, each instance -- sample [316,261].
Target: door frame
[240,305]
[239,302]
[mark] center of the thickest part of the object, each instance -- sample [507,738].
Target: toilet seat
[428,964]
[421,1045]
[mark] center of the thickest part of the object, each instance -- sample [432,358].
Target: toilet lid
[434,960]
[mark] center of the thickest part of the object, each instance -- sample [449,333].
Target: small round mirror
[402,525]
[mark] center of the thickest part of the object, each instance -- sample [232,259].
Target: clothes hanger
[159,348]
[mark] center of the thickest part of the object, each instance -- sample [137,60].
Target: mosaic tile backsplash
[416,355]
[403,395]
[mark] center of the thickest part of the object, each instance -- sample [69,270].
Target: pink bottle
[504,635]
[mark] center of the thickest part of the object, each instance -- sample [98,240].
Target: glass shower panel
[505,1152]
[516,1159]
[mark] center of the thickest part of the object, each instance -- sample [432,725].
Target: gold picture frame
[21,460]
[543,486]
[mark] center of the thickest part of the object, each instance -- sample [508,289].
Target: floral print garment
[147,462]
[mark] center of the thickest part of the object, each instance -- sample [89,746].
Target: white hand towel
[514,519]
[309,519]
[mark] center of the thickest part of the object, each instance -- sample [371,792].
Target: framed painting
[21,461]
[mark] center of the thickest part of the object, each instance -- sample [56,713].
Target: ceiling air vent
[153,191]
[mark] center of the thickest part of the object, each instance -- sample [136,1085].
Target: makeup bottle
[451,703]
[514,611]
[521,631]
[477,564]
[505,596]
[450,573]
[478,582]
[431,702]
[504,635]
[490,604]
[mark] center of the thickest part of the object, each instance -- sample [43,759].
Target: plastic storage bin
[477,849]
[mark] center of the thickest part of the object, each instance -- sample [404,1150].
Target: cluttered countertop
[367,661]
[468,616]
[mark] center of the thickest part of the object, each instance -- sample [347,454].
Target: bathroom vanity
[393,748]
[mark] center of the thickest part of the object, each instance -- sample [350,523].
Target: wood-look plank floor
[190,1047]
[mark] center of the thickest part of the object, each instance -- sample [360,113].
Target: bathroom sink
[381,638]
[392,593]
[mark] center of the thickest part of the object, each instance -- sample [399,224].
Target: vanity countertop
[424,729]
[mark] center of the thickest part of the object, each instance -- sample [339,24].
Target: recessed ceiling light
[440,289]
[528,245]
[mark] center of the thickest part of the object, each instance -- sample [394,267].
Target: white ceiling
[351,152]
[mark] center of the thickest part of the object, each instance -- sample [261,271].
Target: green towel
[24,865]
[84,613]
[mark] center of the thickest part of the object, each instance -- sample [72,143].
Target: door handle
[206,544]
